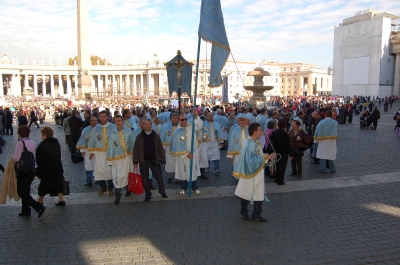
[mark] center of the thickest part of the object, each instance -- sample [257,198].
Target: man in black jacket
[34,118]
[148,152]
[75,126]
[9,121]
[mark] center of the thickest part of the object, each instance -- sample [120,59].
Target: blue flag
[212,29]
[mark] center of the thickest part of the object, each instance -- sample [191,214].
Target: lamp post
[7,86]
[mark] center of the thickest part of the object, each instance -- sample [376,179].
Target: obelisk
[84,64]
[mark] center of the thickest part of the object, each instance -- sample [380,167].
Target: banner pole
[193,124]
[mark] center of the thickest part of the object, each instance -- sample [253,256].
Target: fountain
[258,87]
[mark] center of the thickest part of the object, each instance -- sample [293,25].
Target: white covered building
[363,59]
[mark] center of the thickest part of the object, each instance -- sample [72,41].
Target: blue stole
[130,123]
[156,128]
[99,139]
[235,145]
[326,129]
[231,130]
[250,161]
[178,143]
[262,120]
[223,121]
[135,133]
[167,132]
[85,137]
[120,144]
[212,127]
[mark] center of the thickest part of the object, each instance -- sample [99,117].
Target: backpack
[26,164]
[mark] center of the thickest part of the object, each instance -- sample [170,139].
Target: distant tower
[84,65]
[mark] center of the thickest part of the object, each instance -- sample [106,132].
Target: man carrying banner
[181,150]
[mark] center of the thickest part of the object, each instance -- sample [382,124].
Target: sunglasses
[183,119]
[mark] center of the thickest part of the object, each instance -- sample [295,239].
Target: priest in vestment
[181,149]
[119,156]
[82,145]
[249,170]
[97,149]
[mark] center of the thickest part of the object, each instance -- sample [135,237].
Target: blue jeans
[323,165]
[184,185]
[216,164]
[256,210]
[89,176]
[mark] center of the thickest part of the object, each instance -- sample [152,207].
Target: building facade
[363,60]
[151,78]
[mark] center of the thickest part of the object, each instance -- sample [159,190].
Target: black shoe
[169,180]
[261,219]
[178,182]
[293,174]
[203,177]
[88,185]
[41,211]
[117,201]
[152,187]
[1,167]
[333,171]
[164,195]
[60,203]
[246,217]
[128,193]
[281,183]
[24,214]
[146,200]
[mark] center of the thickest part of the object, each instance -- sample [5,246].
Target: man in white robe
[97,149]
[248,169]
[213,139]
[181,149]
[325,135]
[167,132]
[119,156]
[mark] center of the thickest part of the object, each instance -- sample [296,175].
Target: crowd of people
[115,139]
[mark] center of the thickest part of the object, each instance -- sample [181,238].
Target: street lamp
[7,86]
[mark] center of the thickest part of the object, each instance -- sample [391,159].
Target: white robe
[251,189]
[170,161]
[327,149]
[203,158]
[102,171]
[120,169]
[88,162]
[213,151]
[182,166]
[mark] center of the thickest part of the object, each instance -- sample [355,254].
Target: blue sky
[131,31]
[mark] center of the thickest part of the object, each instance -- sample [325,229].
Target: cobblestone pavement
[354,225]
[342,225]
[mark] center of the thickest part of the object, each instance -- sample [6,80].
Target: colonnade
[102,84]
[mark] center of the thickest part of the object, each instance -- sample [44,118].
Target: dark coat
[281,142]
[49,167]
[22,120]
[75,125]
[138,149]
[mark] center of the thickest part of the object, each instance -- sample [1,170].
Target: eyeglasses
[183,119]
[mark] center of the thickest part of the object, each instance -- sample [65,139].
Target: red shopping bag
[135,184]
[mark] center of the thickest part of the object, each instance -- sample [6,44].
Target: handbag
[65,189]
[135,183]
